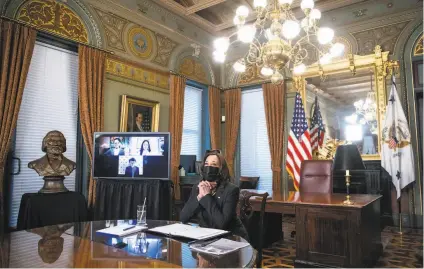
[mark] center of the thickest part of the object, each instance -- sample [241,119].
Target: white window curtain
[192,122]
[50,102]
[255,158]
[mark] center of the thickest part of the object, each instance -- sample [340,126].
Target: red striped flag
[299,143]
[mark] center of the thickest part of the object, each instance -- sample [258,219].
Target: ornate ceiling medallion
[140,42]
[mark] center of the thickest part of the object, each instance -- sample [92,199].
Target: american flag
[317,128]
[299,144]
[393,142]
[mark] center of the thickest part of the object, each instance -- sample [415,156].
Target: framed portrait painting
[139,115]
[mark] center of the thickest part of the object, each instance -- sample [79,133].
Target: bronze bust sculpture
[53,166]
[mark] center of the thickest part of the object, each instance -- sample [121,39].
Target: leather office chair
[316,176]
[245,214]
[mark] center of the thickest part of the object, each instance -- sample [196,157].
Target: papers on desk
[220,247]
[188,231]
[122,230]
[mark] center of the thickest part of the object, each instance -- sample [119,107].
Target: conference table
[75,245]
[330,233]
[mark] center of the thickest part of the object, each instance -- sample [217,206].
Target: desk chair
[316,176]
[248,182]
[245,213]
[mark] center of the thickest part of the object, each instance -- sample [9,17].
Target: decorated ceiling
[217,15]
[177,35]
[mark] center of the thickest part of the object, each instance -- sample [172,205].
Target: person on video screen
[145,148]
[214,200]
[132,170]
[117,149]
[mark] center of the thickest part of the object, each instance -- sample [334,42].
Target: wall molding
[134,83]
[137,74]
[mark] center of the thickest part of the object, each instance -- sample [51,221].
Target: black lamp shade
[348,158]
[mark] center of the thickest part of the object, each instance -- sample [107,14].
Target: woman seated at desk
[214,201]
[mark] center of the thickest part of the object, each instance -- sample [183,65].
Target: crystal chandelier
[366,111]
[277,40]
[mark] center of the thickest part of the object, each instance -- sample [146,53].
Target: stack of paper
[219,247]
[188,231]
[122,230]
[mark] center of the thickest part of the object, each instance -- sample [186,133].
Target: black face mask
[211,173]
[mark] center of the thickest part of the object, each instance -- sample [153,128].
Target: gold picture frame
[131,108]
[382,69]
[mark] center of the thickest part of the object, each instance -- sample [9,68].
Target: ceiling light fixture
[366,111]
[277,40]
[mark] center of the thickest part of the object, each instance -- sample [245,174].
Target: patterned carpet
[398,250]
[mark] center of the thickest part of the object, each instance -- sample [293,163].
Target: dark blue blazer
[217,211]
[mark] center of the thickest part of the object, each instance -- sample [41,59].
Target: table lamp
[348,158]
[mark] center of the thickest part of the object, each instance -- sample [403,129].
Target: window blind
[192,122]
[50,102]
[255,158]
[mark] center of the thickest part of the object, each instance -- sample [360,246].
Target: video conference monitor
[131,155]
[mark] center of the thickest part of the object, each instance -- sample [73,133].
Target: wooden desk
[329,233]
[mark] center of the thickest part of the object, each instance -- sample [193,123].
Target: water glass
[141,215]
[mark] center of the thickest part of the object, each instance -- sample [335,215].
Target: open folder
[188,231]
[122,230]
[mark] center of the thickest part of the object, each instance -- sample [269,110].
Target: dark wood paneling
[337,237]
[329,233]
[370,233]
[374,180]
[323,239]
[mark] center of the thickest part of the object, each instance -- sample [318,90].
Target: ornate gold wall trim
[193,69]
[419,49]
[157,80]
[386,36]
[113,26]
[251,76]
[54,17]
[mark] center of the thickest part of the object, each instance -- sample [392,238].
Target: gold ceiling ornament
[277,40]
[53,17]
[251,75]
[193,69]
[140,42]
[113,26]
[419,49]
[165,47]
